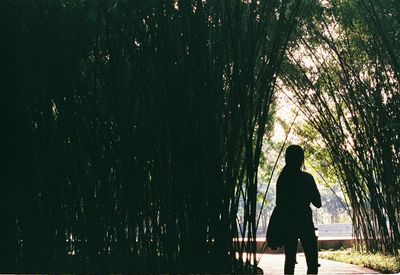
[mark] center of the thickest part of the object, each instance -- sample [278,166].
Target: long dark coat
[295,191]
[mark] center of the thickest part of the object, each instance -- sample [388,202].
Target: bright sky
[286,111]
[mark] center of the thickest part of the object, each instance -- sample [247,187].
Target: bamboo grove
[344,75]
[131,130]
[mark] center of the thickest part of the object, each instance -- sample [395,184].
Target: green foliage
[378,261]
[344,76]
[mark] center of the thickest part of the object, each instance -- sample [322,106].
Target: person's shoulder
[307,176]
[280,178]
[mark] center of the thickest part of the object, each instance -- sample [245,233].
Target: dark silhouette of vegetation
[132,129]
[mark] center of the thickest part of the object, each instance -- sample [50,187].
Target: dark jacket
[292,215]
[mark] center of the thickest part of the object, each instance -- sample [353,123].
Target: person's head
[294,156]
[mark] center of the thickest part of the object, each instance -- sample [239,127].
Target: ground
[273,264]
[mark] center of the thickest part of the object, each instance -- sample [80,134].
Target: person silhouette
[295,191]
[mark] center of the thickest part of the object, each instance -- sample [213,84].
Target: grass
[377,261]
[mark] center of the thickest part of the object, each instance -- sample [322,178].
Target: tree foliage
[344,75]
[132,130]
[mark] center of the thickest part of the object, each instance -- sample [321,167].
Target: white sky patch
[286,112]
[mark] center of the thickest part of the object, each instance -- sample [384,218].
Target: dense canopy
[132,131]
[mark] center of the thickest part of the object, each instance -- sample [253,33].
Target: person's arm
[278,200]
[315,196]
